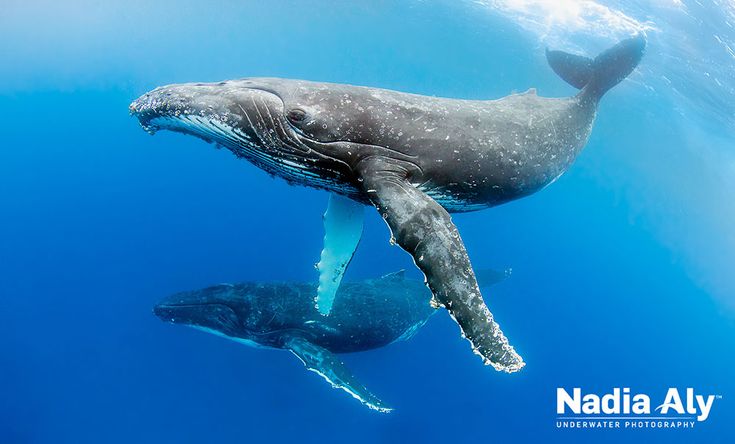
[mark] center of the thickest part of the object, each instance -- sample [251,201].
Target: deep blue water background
[622,268]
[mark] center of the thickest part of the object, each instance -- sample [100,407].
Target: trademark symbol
[718,396]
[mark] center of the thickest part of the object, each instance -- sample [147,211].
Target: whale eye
[296,115]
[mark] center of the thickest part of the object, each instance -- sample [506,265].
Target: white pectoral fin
[343,222]
[331,368]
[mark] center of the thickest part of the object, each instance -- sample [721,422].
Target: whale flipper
[425,230]
[343,222]
[331,368]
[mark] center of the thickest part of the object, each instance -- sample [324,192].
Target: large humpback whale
[414,158]
[367,314]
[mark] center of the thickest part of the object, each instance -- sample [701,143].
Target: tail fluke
[596,76]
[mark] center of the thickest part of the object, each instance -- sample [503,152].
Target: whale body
[414,158]
[367,314]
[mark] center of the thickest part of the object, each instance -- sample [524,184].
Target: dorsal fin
[395,276]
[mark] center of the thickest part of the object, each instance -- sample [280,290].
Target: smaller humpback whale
[414,158]
[366,315]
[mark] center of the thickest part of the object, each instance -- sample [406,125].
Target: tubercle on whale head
[184,107]
[224,109]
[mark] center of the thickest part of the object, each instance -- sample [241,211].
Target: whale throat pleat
[248,145]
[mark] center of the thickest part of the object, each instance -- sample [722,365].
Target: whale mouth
[199,109]
[174,311]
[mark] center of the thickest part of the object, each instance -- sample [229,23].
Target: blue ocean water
[622,269]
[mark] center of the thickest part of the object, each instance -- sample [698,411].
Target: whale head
[236,114]
[219,310]
[256,119]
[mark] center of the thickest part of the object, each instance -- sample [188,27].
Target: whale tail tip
[596,76]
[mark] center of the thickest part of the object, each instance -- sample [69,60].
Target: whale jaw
[245,118]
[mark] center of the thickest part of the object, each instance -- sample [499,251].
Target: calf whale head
[215,309]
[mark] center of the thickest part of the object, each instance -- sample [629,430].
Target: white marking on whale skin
[411,331]
[243,341]
[321,326]
[450,202]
